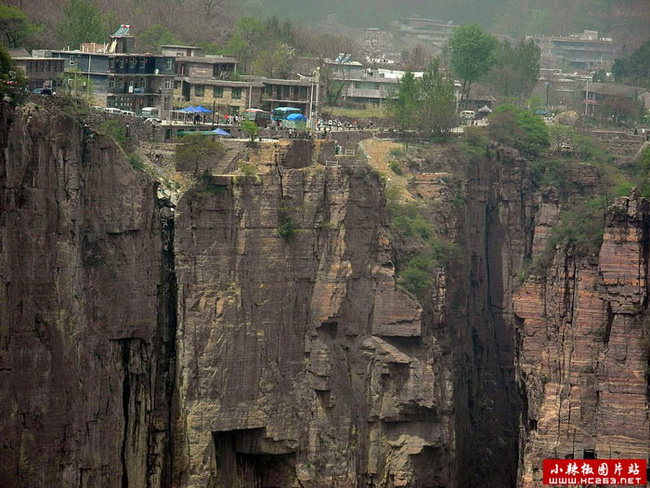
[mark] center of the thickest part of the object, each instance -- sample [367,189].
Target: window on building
[111,82]
[142,63]
[131,63]
[111,63]
[217,92]
[72,62]
[177,84]
[168,64]
[303,92]
[199,90]
[236,93]
[168,82]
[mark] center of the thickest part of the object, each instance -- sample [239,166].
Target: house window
[168,64]
[217,92]
[142,63]
[72,62]
[111,82]
[199,90]
[111,63]
[177,85]
[168,82]
[303,92]
[131,63]
[236,93]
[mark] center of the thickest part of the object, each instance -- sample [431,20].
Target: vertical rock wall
[82,333]
[300,363]
[583,360]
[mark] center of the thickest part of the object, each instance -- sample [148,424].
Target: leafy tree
[246,41]
[251,129]
[437,107]
[516,69]
[12,81]
[404,106]
[634,70]
[518,128]
[197,152]
[275,61]
[82,22]
[14,26]
[153,37]
[472,54]
[427,103]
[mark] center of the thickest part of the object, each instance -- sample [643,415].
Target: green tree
[437,107]
[635,69]
[14,26]
[197,153]
[516,70]
[404,106]
[82,22]
[251,129]
[153,37]
[518,128]
[12,81]
[472,54]
[246,42]
[275,61]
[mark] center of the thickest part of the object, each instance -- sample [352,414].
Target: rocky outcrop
[85,328]
[583,356]
[300,363]
[257,337]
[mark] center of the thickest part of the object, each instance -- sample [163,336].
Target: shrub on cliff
[197,153]
[518,128]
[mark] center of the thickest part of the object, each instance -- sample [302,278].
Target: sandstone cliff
[256,336]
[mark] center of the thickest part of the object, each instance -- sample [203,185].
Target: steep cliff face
[85,332]
[583,347]
[300,363]
[256,337]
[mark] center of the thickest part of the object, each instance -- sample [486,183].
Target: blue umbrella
[297,117]
[221,132]
[202,109]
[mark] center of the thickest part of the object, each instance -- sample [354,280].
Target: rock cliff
[256,336]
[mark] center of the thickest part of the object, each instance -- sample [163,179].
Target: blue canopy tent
[221,132]
[295,121]
[202,110]
[189,110]
[297,117]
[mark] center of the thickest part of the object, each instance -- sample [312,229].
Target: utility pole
[311,103]
[317,83]
[587,97]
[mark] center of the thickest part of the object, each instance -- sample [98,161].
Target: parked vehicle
[281,113]
[112,110]
[128,112]
[468,114]
[42,91]
[149,112]
[259,116]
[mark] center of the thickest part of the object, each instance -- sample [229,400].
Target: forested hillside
[212,20]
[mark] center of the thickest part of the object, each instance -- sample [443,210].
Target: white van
[468,114]
[128,112]
[112,110]
[149,112]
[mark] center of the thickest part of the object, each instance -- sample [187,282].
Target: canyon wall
[254,336]
[85,329]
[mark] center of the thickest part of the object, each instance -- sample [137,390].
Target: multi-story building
[288,93]
[221,96]
[585,51]
[433,32]
[41,71]
[121,78]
